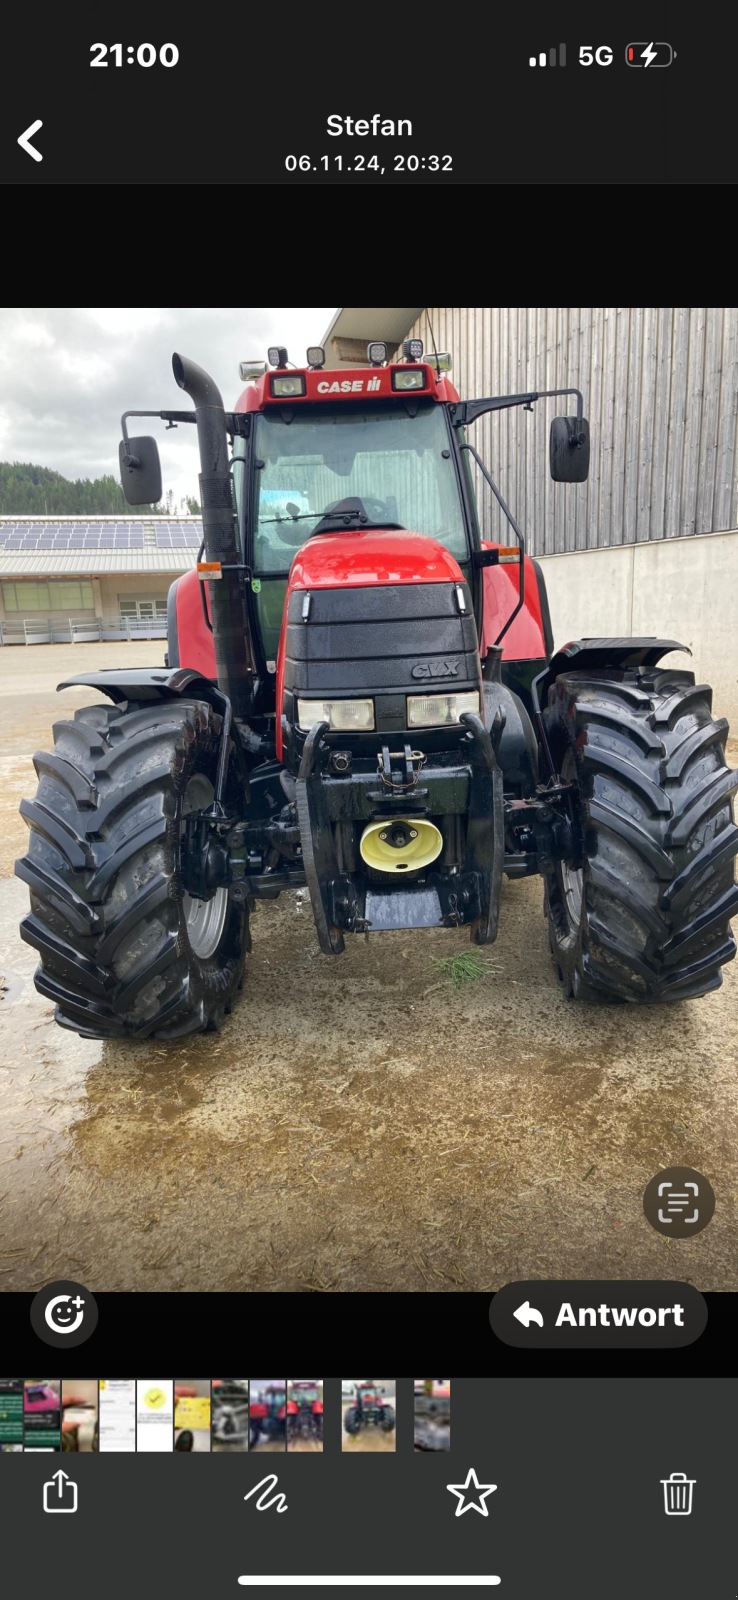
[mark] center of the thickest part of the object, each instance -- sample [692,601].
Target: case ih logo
[349,386]
[435,669]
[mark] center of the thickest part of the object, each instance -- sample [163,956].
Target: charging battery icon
[649,55]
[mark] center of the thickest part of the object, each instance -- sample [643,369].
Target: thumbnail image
[117,1414]
[267,1410]
[368,1409]
[11,1415]
[305,1414]
[79,1426]
[230,1413]
[192,1414]
[433,1413]
[154,1414]
[42,1414]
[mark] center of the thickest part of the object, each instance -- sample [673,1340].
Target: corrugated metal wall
[660,390]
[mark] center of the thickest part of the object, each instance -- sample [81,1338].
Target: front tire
[646,916]
[125,952]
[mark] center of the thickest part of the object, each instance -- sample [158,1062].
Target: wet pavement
[356,1125]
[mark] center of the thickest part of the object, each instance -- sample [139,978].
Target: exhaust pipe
[233,658]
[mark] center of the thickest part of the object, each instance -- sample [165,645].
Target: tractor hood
[375,614]
[371,556]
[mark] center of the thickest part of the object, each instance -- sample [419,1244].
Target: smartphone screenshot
[11,1414]
[41,1414]
[154,1414]
[117,1428]
[368,993]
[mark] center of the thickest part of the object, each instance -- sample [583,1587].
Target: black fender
[590,654]
[145,683]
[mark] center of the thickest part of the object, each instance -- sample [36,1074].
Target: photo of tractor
[305,1414]
[362,697]
[267,1414]
[369,1417]
[432,1414]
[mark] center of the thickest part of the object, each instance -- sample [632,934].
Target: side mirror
[140,471]
[569,450]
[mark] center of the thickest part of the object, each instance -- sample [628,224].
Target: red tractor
[304,1412]
[267,1416]
[362,696]
[369,1410]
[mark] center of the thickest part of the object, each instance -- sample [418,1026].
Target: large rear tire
[646,918]
[125,952]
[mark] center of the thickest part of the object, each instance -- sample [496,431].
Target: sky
[67,375]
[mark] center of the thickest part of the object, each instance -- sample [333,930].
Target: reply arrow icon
[527,1314]
[25,138]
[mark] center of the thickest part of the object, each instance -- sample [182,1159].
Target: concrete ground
[356,1125]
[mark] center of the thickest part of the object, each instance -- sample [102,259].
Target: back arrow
[27,136]
[527,1314]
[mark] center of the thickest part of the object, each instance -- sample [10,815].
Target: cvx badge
[435,669]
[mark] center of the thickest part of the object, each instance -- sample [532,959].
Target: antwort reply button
[599,1315]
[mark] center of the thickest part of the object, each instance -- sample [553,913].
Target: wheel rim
[205,922]
[572,879]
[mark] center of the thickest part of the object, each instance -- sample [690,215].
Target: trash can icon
[678,1494]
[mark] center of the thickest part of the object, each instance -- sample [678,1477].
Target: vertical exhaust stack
[230,628]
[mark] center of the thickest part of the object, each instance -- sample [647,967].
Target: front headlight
[283,388]
[436,710]
[346,716]
[408,378]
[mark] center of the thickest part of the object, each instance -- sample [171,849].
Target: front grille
[386,641]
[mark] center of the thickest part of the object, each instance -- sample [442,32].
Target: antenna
[433,342]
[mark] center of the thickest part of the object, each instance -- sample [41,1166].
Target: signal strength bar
[549,57]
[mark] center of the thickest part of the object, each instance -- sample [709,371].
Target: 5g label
[600,55]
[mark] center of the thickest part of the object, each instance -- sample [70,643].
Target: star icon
[482,1490]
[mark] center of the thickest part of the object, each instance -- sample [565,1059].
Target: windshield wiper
[305,516]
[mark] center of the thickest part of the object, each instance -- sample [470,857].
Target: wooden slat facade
[660,390]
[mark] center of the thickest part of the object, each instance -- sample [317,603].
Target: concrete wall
[685,589]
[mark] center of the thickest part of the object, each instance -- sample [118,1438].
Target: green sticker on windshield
[256,585]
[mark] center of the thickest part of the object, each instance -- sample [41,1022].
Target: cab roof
[356,383]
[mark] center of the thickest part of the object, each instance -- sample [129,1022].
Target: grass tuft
[462,970]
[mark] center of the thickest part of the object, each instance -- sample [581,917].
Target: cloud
[67,375]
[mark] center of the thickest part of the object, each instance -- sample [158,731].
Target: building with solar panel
[66,580]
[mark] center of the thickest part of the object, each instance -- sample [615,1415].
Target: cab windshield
[399,466]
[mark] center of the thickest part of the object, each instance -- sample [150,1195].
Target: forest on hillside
[27,491]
